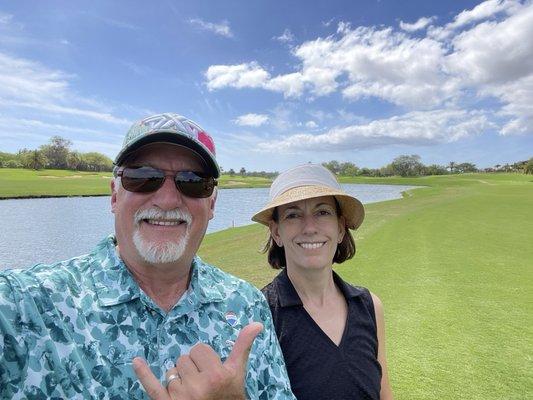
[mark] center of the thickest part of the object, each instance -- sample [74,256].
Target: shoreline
[53,196]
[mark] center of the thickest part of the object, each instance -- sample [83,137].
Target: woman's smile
[311,245]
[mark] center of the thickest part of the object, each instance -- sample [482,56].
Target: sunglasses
[148,179]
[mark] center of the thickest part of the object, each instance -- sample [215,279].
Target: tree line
[404,165]
[56,154]
[243,172]
[410,165]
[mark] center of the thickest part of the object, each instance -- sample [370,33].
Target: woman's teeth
[312,245]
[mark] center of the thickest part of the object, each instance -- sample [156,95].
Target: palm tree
[451,166]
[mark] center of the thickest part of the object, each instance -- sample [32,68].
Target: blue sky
[275,83]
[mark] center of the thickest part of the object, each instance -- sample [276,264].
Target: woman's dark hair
[276,254]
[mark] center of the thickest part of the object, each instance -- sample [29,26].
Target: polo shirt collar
[347,290]
[288,296]
[115,285]
[113,282]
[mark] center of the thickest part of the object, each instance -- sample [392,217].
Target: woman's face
[309,232]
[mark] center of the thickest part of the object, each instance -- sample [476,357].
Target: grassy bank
[24,183]
[453,265]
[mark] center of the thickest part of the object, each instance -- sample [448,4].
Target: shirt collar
[288,296]
[347,290]
[114,283]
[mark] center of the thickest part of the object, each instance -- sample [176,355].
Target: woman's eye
[291,216]
[324,212]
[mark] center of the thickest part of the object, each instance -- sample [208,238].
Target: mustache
[157,213]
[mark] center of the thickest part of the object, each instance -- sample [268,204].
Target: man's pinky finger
[151,384]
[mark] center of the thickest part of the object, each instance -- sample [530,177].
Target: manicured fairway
[16,182]
[453,265]
[28,183]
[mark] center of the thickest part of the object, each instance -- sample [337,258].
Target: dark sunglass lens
[193,185]
[143,179]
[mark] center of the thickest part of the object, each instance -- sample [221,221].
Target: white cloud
[12,126]
[496,58]
[517,98]
[27,80]
[254,120]
[418,25]
[415,128]
[291,85]
[249,75]
[485,52]
[380,63]
[221,29]
[311,124]
[494,52]
[482,11]
[31,85]
[285,37]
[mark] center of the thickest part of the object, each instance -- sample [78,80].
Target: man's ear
[274,232]
[212,202]
[113,195]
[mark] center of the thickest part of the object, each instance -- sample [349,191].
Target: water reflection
[48,230]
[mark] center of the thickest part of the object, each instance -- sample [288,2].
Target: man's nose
[168,197]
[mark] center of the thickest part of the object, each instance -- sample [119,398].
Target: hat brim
[173,138]
[351,208]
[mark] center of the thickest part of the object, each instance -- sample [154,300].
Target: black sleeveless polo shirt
[318,369]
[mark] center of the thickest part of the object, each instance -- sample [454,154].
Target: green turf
[16,182]
[453,265]
[29,183]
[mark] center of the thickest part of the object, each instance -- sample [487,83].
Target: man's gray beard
[165,252]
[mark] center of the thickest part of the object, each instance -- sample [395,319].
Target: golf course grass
[453,265]
[24,183]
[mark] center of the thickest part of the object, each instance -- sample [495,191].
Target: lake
[53,229]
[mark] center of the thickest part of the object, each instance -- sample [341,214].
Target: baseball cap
[170,128]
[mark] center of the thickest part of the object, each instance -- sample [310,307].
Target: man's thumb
[239,355]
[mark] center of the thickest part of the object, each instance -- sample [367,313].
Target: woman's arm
[386,391]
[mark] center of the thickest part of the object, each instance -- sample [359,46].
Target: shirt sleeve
[13,352]
[266,377]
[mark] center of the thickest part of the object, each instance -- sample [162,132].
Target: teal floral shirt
[70,330]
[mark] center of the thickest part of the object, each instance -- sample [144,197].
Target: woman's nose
[309,224]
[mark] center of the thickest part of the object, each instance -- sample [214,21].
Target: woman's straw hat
[306,182]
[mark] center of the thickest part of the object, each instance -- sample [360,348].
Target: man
[142,309]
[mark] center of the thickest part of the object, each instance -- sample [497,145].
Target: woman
[331,333]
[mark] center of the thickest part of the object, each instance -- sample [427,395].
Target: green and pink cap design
[171,128]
